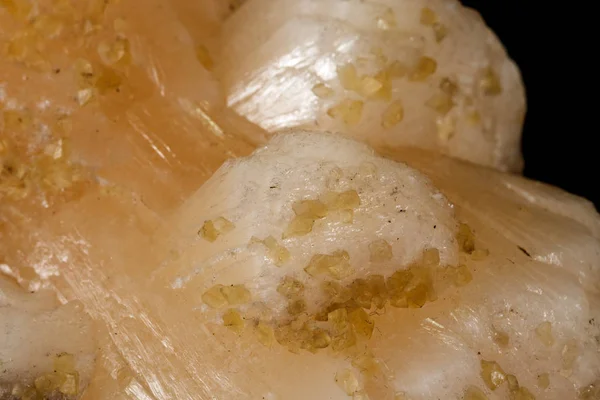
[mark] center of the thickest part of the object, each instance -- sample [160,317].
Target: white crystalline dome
[312,194]
[428,74]
[45,349]
[395,290]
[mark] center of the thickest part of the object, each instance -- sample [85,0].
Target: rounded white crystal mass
[427,73]
[492,316]
[312,195]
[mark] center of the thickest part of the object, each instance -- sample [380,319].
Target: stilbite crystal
[107,149]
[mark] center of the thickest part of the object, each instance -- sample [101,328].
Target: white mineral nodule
[428,74]
[415,284]
[313,194]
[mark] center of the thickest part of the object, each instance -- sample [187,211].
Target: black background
[551,44]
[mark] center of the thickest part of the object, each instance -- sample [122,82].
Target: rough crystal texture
[111,126]
[45,347]
[385,64]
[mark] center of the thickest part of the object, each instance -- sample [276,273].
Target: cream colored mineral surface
[218,262]
[46,349]
[427,74]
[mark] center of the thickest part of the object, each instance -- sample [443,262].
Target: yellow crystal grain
[338,320]
[361,321]
[378,289]
[462,275]
[361,293]
[397,69]
[480,254]
[347,381]
[336,265]
[336,292]
[233,320]
[322,91]
[299,226]
[212,229]
[347,200]
[367,364]
[466,239]
[380,57]
[449,87]
[431,258]
[265,334]
[441,103]
[380,251]
[278,253]
[440,31]
[426,67]
[385,78]
[490,82]
[214,297]
[64,362]
[428,16]
[296,307]
[446,127]
[369,86]
[84,96]
[500,338]
[115,52]
[204,57]
[310,208]
[70,384]
[393,115]
[348,111]
[396,285]
[290,287]
[387,21]
[417,296]
[107,79]
[544,333]
[517,392]
[570,352]
[236,294]
[348,77]
[320,339]
[543,380]
[492,374]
